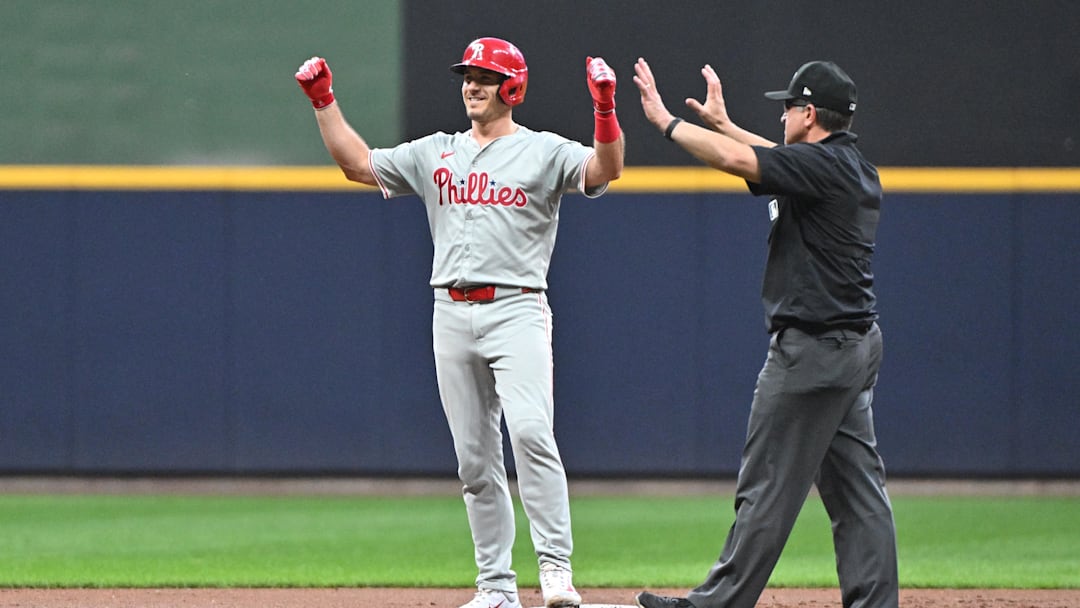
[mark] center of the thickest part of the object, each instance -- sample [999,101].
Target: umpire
[810,420]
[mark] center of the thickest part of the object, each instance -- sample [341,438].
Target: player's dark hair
[833,121]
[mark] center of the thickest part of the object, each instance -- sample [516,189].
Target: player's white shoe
[486,598]
[557,585]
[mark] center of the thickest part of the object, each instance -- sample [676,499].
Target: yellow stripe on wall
[990,179]
[634,179]
[893,179]
[116,177]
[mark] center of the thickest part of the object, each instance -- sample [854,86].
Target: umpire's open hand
[651,102]
[714,111]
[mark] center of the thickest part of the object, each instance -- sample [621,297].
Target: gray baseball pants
[494,360]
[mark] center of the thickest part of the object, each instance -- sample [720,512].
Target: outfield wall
[212,327]
[186,286]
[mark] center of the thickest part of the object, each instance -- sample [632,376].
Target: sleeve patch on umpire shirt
[774,210]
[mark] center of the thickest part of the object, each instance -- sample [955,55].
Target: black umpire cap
[823,84]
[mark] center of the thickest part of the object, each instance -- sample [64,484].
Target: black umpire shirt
[824,222]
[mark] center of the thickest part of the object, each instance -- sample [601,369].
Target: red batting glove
[317,81]
[601,84]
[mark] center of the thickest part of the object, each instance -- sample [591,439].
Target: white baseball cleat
[487,598]
[557,585]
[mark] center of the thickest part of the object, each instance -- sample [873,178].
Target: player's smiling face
[480,91]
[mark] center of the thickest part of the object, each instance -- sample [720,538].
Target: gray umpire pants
[811,423]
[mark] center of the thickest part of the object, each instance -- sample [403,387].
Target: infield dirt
[451,598]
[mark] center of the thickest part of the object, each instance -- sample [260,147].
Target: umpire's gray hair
[833,121]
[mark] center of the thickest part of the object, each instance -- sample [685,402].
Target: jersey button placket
[467,236]
[468,232]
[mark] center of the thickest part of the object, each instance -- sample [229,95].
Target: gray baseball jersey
[493,211]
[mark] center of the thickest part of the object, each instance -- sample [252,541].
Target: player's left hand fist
[601,84]
[315,78]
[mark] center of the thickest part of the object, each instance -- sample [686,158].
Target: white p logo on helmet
[477,49]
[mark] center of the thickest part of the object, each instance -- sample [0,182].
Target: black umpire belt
[814,329]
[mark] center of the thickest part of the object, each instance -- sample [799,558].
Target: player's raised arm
[347,148]
[608,140]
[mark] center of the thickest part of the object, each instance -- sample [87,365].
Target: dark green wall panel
[196,82]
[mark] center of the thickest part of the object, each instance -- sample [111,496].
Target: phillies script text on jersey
[475,190]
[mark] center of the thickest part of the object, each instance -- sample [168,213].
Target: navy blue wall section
[945,267]
[255,332]
[1047,352]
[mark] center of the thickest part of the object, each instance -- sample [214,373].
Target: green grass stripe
[213,541]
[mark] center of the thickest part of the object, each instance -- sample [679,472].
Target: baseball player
[492,195]
[810,419]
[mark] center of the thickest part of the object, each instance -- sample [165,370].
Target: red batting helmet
[500,56]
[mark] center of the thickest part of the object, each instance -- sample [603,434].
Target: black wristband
[671,127]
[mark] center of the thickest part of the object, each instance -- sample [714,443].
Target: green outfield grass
[656,542]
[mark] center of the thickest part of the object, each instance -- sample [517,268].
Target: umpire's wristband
[671,127]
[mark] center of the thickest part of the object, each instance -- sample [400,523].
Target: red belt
[484,293]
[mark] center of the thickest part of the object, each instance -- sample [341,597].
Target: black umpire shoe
[651,600]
